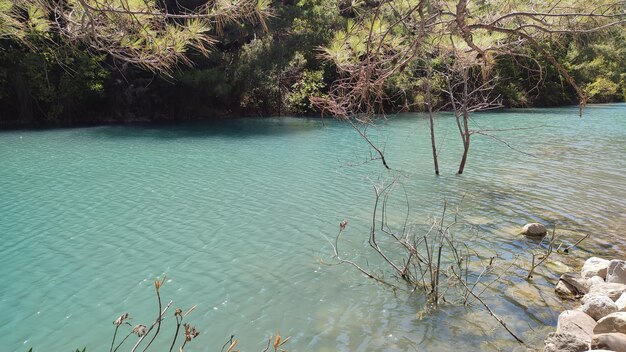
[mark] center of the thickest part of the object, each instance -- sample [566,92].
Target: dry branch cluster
[432,262]
[444,269]
[189,333]
[454,41]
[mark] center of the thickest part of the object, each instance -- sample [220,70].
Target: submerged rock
[613,342]
[576,323]
[616,272]
[534,230]
[614,322]
[565,342]
[595,267]
[611,290]
[558,267]
[598,307]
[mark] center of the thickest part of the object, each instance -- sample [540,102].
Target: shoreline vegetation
[276,62]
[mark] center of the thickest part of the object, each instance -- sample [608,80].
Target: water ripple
[235,215]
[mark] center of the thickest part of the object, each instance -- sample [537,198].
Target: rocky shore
[599,324]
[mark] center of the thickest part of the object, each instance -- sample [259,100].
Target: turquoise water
[235,215]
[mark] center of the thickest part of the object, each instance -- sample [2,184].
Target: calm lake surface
[236,215]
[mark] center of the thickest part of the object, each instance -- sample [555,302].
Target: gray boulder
[614,322]
[612,342]
[576,323]
[566,291]
[611,290]
[598,307]
[534,229]
[572,286]
[616,272]
[595,267]
[564,342]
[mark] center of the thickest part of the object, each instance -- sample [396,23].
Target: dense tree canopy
[117,60]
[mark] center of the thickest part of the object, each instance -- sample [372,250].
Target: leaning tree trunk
[464,130]
[466,141]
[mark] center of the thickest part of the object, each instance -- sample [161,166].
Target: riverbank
[599,323]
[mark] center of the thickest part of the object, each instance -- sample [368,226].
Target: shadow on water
[232,128]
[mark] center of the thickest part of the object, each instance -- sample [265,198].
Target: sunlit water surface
[235,214]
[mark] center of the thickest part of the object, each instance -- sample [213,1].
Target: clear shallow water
[236,214]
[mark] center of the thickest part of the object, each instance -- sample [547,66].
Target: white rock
[534,229]
[598,307]
[596,280]
[576,323]
[616,272]
[614,322]
[611,290]
[621,302]
[595,267]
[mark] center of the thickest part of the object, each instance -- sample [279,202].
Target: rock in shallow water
[613,342]
[566,291]
[572,285]
[565,342]
[599,306]
[595,267]
[616,272]
[614,322]
[576,323]
[534,229]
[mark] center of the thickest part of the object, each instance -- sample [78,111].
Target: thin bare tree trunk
[429,98]
[466,142]
[465,133]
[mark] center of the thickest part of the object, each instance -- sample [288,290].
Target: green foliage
[603,90]
[311,84]
[253,71]
[49,85]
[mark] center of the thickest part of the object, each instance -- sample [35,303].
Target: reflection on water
[236,214]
